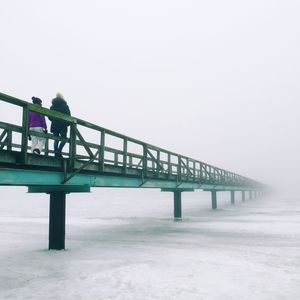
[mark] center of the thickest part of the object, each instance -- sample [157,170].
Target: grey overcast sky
[215,80]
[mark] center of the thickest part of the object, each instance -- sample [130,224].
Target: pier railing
[93,148]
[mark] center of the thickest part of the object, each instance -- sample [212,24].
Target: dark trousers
[58,145]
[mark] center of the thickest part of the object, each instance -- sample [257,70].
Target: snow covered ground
[124,244]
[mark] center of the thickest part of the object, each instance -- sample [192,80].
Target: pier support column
[214,199]
[255,194]
[57,220]
[243,196]
[177,200]
[232,197]
[57,211]
[177,204]
[250,194]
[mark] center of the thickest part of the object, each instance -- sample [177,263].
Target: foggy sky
[213,80]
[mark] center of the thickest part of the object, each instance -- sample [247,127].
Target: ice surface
[124,244]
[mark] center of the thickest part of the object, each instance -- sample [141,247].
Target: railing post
[46,147]
[130,161]
[145,160]
[187,168]
[115,159]
[102,151]
[125,156]
[25,131]
[201,171]
[9,140]
[169,166]
[158,163]
[179,168]
[194,170]
[72,146]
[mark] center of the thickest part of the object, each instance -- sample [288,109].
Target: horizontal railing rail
[150,161]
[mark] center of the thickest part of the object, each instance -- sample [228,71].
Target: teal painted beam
[59,188]
[21,177]
[175,190]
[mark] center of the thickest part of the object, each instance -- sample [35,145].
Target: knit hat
[59,95]
[36,100]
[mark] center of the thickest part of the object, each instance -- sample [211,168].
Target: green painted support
[24,136]
[9,140]
[177,205]
[178,189]
[214,199]
[125,143]
[181,171]
[177,200]
[169,166]
[78,172]
[232,197]
[243,196]
[57,220]
[145,161]
[59,188]
[250,195]
[72,147]
[102,151]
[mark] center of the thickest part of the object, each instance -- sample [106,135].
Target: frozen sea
[124,244]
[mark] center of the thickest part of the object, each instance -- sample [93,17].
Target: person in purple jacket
[37,123]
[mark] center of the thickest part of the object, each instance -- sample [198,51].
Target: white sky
[214,80]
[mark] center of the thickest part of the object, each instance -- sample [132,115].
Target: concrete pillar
[232,197]
[250,194]
[214,204]
[57,220]
[177,204]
